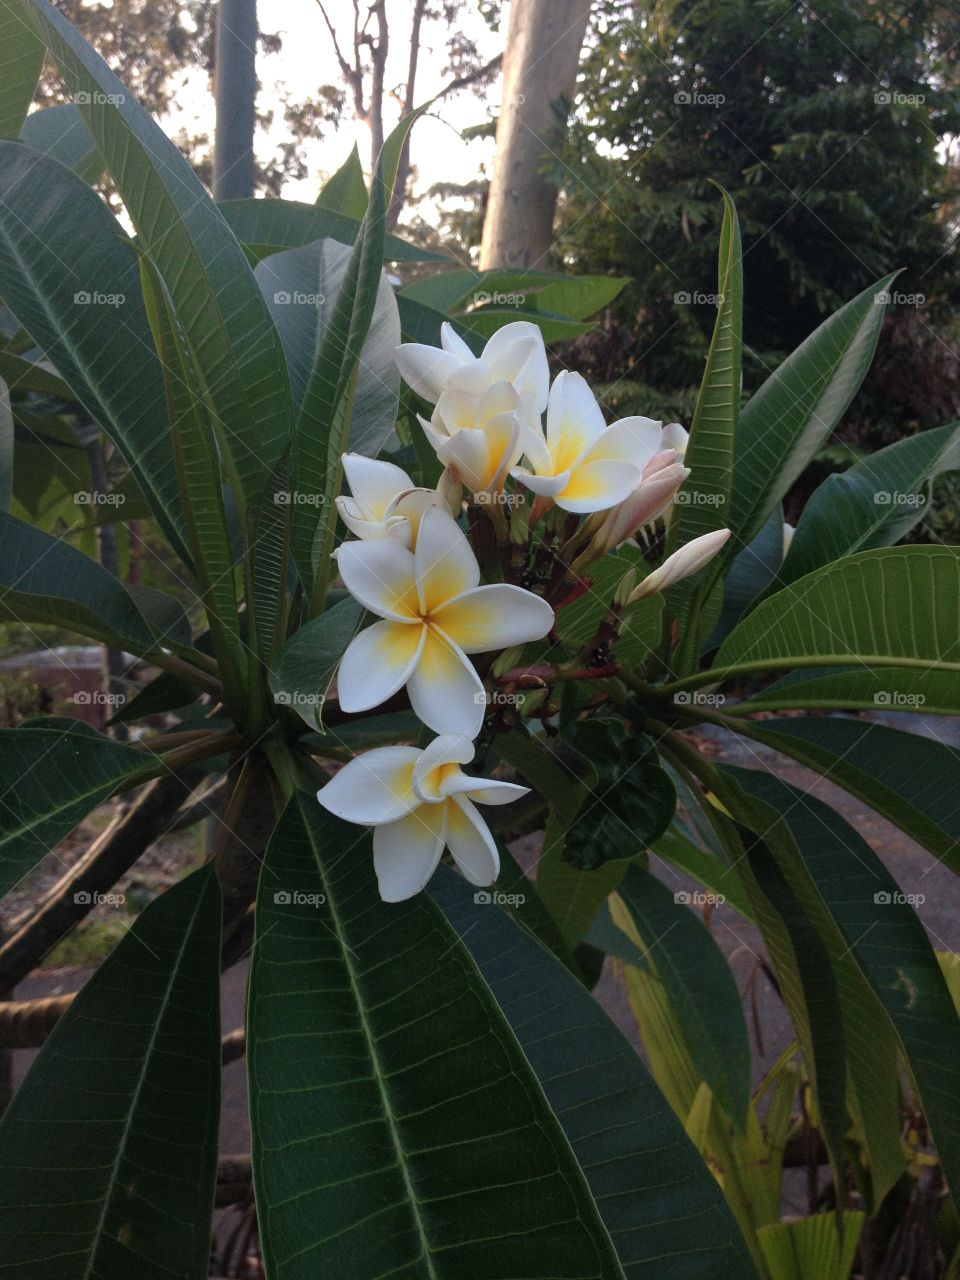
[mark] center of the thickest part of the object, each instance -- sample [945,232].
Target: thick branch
[111,855]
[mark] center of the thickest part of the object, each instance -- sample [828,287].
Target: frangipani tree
[510,621]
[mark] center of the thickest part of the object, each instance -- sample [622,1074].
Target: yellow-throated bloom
[583,465]
[420,802]
[434,612]
[383,500]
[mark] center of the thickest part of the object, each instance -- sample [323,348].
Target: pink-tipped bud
[654,492]
[682,564]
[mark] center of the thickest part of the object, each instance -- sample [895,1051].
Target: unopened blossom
[420,802]
[674,436]
[514,354]
[477,437]
[583,465]
[682,564]
[788,531]
[661,478]
[433,613]
[383,500]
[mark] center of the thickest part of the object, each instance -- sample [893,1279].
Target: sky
[307,60]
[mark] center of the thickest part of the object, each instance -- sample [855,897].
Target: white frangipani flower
[383,500]
[583,465]
[513,354]
[682,564]
[419,802]
[479,437]
[434,612]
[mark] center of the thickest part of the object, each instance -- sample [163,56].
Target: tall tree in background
[540,61]
[235,93]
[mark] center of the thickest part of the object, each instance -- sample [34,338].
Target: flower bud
[682,564]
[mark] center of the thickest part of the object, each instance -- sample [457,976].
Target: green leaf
[811,1246]
[485,323]
[620,1126]
[6,448]
[706,868]
[873,504]
[377,1058]
[847,689]
[235,345]
[55,776]
[108,1151]
[267,226]
[301,670]
[44,579]
[699,985]
[27,375]
[68,273]
[22,64]
[784,424]
[750,574]
[882,933]
[59,132]
[896,608]
[165,692]
[703,502]
[903,776]
[323,423]
[346,192]
[198,462]
[301,288]
[639,627]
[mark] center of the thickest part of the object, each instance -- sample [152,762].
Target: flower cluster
[496,422]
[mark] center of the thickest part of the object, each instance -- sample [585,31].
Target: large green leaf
[198,464]
[794,412]
[346,190]
[883,934]
[53,777]
[300,671]
[852,688]
[703,502]
[699,985]
[68,273]
[397,1126]
[749,576]
[108,1151]
[59,132]
[301,287]
[908,778]
[894,608]
[20,66]
[622,1129]
[44,579]
[267,226]
[873,504]
[235,344]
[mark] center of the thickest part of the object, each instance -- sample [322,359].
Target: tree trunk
[540,63]
[235,92]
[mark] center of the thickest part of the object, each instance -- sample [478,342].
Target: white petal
[545,486]
[429,771]
[395,526]
[378,663]
[445,563]
[468,452]
[381,575]
[497,616]
[445,691]
[426,369]
[374,484]
[690,558]
[516,354]
[533,444]
[674,436]
[631,440]
[406,853]
[574,419]
[473,848]
[373,788]
[482,790]
[598,485]
[450,340]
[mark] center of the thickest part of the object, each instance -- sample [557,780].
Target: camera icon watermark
[698,698]
[293,498]
[86,498]
[895,698]
[296,898]
[86,98]
[698,898]
[693,98]
[96,298]
[497,698]
[496,299]
[297,298]
[896,898]
[295,698]
[493,897]
[894,98]
[92,898]
[98,698]
[698,498]
[887,297]
[896,498]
